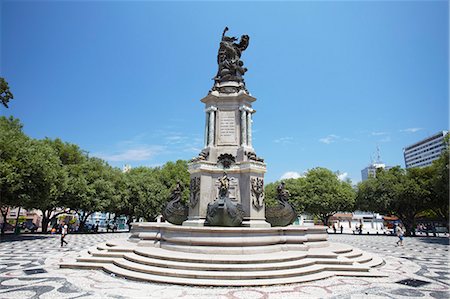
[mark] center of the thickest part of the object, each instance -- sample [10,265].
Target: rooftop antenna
[378,155]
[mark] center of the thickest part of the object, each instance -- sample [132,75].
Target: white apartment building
[371,170]
[424,152]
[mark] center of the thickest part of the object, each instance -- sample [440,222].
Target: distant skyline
[333,80]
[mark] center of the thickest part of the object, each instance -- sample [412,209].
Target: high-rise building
[424,152]
[371,169]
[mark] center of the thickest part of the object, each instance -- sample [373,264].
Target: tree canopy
[319,192]
[5,94]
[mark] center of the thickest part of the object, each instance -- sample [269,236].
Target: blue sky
[333,80]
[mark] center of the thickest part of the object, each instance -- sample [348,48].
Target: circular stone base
[228,240]
[225,256]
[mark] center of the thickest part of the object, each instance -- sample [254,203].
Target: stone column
[243,126]
[211,131]
[206,128]
[249,128]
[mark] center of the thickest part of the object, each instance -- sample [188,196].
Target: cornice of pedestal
[240,94]
[240,167]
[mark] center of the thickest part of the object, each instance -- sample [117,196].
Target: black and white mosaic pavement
[419,269]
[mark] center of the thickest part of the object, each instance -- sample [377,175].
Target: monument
[221,237]
[228,147]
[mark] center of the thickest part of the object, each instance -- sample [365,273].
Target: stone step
[233,275]
[121,272]
[83,265]
[105,253]
[229,266]
[96,259]
[374,262]
[163,254]
[113,248]
[353,254]
[232,283]
[230,250]
[362,259]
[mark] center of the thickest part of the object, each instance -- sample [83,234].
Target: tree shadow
[13,238]
[434,240]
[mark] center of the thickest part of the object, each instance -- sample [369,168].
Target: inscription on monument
[227,127]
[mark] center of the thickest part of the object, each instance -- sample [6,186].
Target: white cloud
[329,139]
[378,133]
[385,139]
[291,175]
[284,140]
[342,176]
[134,154]
[175,139]
[411,130]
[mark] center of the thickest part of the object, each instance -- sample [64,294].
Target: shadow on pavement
[12,238]
[429,240]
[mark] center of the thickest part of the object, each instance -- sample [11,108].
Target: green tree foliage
[91,188]
[12,145]
[45,179]
[440,184]
[5,94]
[324,194]
[320,193]
[398,192]
[148,189]
[70,157]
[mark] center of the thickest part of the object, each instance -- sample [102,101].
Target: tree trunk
[83,220]
[4,215]
[129,220]
[16,228]
[46,220]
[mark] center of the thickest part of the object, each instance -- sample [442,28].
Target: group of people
[63,229]
[335,229]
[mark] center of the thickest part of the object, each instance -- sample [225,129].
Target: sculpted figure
[175,210]
[231,68]
[282,214]
[224,185]
[282,194]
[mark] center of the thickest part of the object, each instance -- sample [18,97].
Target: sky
[333,80]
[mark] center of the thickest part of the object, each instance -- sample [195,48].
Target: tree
[324,194]
[320,193]
[46,179]
[5,94]
[90,188]
[145,193]
[403,193]
[440,184]
[12,145]
[295,188]
[171,172]
[70,156]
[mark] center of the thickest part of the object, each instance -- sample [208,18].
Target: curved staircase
[126,259]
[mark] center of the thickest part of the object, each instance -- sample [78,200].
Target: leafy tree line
[320,192]
[409,194]
[57,177]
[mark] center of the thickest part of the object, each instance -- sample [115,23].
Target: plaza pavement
[422,260]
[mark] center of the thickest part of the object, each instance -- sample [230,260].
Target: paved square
[424,261]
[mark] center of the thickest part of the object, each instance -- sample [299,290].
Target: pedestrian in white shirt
[64,230]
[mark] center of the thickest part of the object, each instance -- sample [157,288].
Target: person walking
[64,230]
[400,234]
[342,228]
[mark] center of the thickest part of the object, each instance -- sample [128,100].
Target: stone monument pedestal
[228,149]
